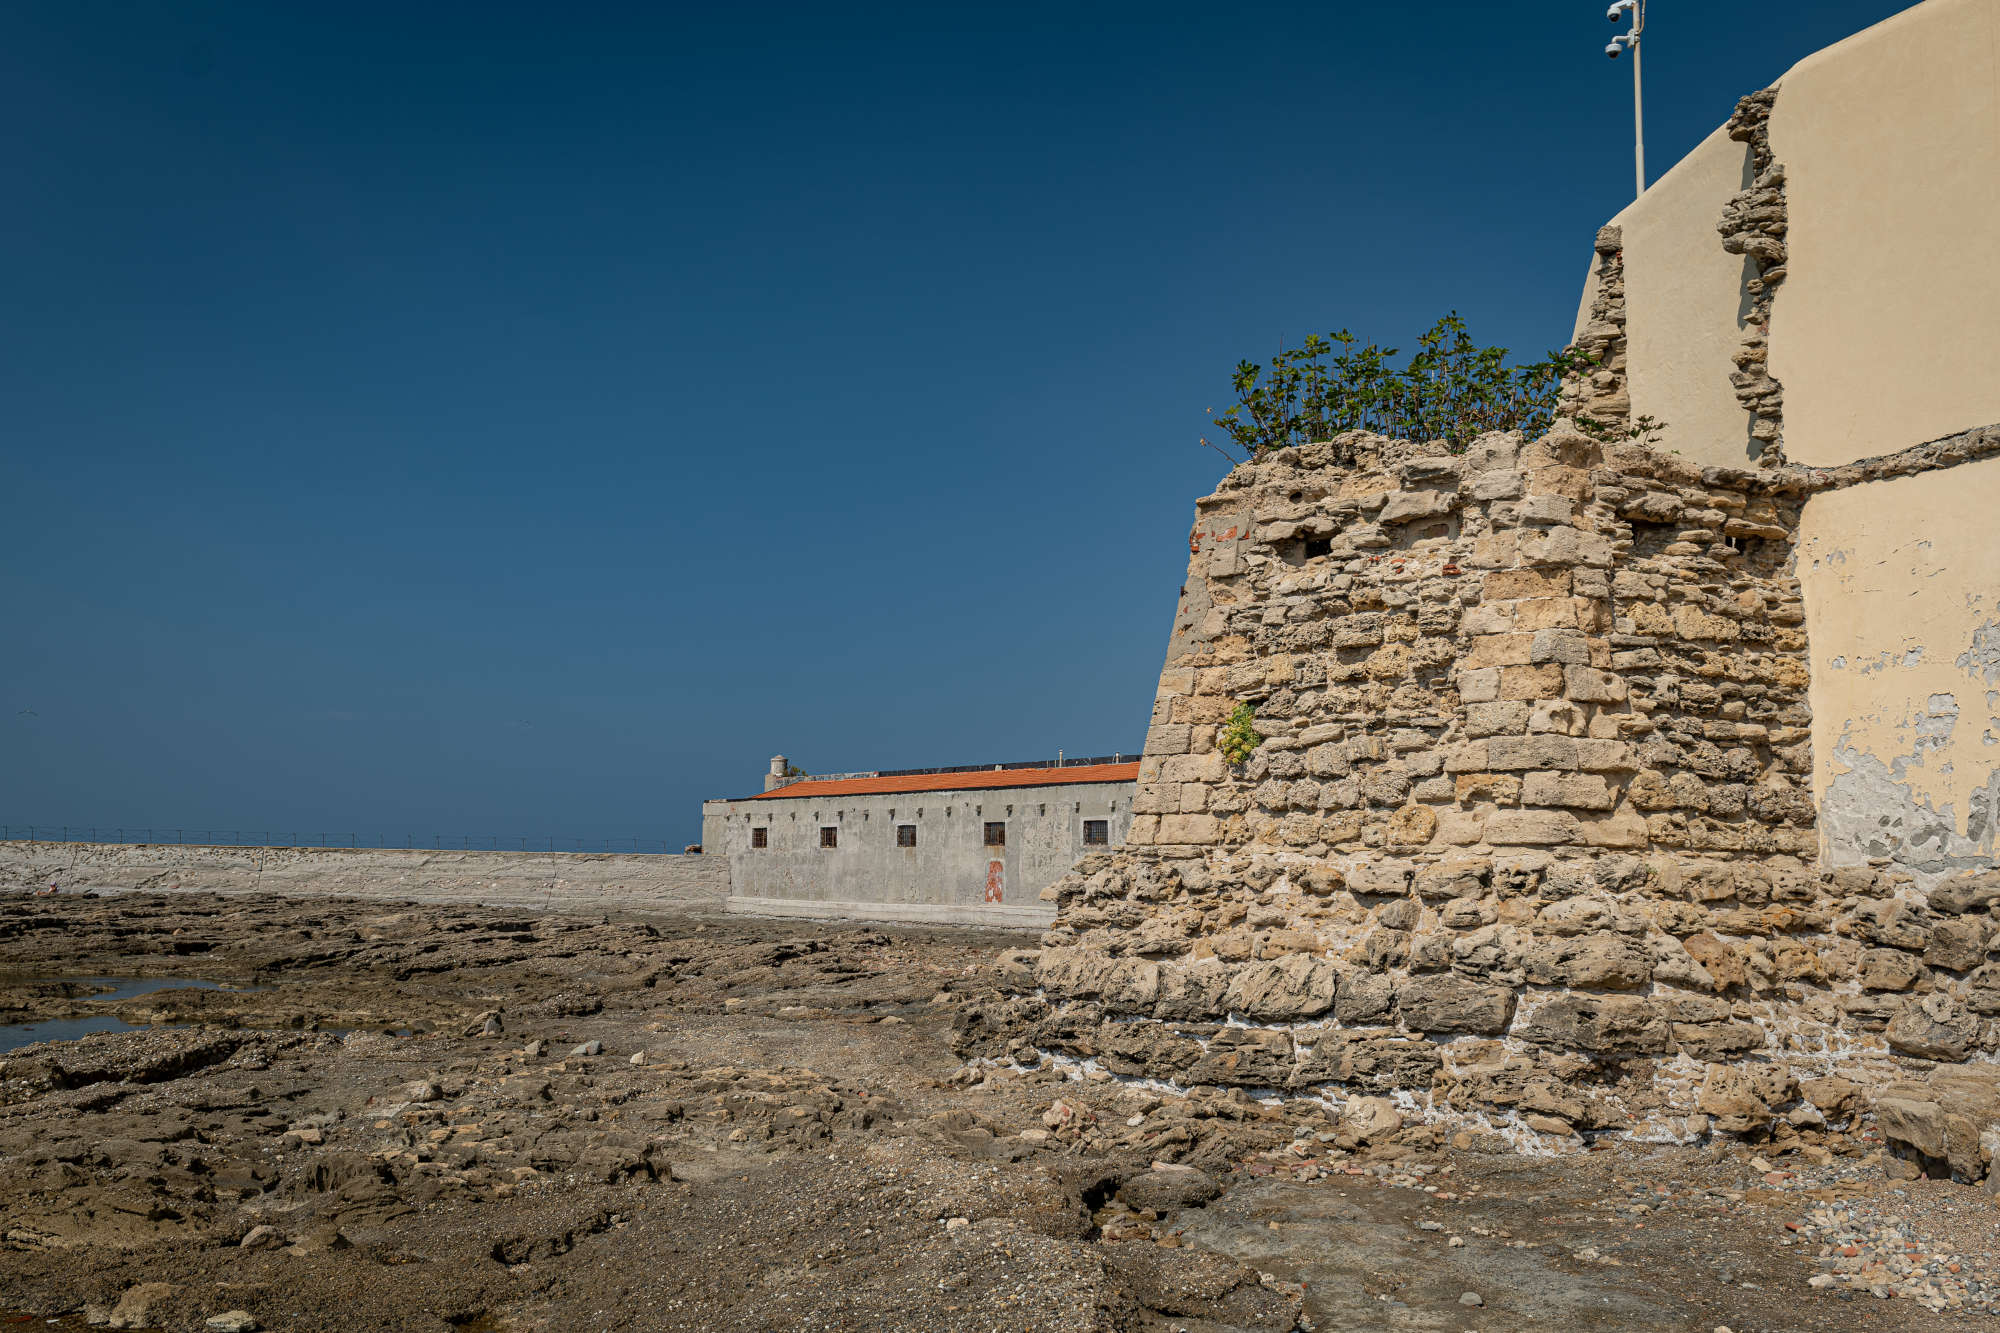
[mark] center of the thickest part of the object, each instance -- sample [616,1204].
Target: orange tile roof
[980,780]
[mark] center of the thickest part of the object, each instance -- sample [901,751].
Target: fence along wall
[558,881]
[1531,839]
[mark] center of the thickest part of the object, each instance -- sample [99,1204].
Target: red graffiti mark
[996,880]
[1195,536]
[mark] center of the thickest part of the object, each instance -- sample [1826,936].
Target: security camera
[1619,10]
[1613,50]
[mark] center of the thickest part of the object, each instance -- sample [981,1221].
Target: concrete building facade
[975,845]
[1816,284]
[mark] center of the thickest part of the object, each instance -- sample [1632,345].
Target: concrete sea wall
[557,881]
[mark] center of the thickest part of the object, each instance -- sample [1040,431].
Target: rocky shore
[461,1118]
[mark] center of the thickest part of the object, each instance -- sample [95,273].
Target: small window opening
[1097,833]
[906,835]
[1318,546]
[760,837]
[829,837]
[996,835]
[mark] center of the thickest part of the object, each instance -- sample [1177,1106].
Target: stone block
[1192,830]
[1409,506]
[1584,791]
[1587,684]
[1499,788]
[1284,989]
[1625,829]
[1693,623]
[1496,485]
[1466,758]
[1411,826]
[1614,1026]
[1548,613]
[1480,685]
[1565,546]
[1451,1004]
[1972,891]
[1364,997]
[1489,618]
[1194,768]
[1458,878]
[1569,647]
[1933,1027]
[1742,1098]
[1604,960]
[1545,509]
[1386,1060]
[1508,584]
[1556,717]
[1531,682]
[1957,945]
[1531,828]
[1606,756]
[1889,969]
[1500,650]
[1503,718]
[1720,1041]
[1504,753]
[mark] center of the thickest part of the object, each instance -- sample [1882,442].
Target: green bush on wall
[1239,736]
[1450,389]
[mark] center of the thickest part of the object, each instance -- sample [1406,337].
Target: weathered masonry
[1608,783]
[969,845]
[1817,283]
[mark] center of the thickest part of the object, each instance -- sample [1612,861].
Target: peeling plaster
[1904,646]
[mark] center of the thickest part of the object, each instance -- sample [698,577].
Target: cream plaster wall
[1684,302]
[1885,331]
[1902,591]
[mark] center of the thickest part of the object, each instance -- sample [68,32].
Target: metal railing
[1064,762]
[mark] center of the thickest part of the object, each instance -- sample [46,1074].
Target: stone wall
[1530,842]
[557,881]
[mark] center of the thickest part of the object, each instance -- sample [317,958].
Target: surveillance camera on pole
[1629,41]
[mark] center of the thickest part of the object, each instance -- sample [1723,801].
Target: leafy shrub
[1239,737]
[1450,389]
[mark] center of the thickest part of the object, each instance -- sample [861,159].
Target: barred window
[829,837]
[1097,833]
[760,837]
[996,835]
[906,835]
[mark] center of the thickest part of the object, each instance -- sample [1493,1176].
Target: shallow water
[15,1035]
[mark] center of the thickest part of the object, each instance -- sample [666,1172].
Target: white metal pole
[1638,123]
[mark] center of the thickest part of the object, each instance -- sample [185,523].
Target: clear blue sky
[524,420]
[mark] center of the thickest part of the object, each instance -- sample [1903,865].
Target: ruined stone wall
[1529,843]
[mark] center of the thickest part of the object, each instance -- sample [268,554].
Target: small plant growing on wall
[1647,428]
[1239,737]
[1449,389]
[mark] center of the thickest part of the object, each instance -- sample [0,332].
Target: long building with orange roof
[972,844]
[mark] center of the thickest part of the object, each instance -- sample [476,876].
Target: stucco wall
[950,867]
[1885,330]
[559,881]
[1684,304]
[1875,224]
[1902,591]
